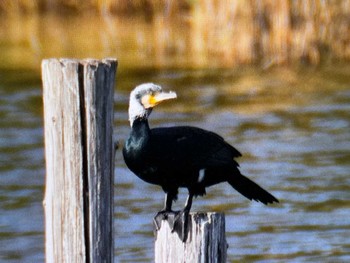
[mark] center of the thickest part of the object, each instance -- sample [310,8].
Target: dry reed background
[190,33]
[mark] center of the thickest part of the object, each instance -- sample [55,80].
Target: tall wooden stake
[206,242]
[79,152]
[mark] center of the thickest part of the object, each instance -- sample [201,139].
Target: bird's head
[144,97]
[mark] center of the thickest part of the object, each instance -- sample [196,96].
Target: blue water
[291,125]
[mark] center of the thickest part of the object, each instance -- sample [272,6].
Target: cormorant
[182,156]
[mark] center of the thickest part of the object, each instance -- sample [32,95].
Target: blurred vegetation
[165,33]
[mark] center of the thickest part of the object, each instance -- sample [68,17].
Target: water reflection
[292,126]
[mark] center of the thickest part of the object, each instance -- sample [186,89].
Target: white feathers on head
[136,109]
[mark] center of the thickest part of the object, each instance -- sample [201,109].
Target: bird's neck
[140,128]
[136,145]
[136,112]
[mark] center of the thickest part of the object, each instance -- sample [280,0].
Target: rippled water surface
[291,125]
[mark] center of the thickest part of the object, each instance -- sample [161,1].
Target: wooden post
[205,243]
[79,152]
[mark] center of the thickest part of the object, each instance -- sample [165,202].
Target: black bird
[181,156]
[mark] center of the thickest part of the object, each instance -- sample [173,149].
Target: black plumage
[181,156]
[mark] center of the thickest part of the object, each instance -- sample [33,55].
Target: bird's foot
[180,225]
[177,220]
[168,216]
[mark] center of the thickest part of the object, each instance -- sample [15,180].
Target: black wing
[187,146]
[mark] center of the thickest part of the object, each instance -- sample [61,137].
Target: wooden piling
[206,242]
[79,152]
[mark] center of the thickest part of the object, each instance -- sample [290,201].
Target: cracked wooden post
[206,241]
[79,153]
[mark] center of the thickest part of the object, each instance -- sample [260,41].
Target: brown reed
[190,33]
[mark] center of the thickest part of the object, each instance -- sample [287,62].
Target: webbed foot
[180,225]
[178,221]
[168,216]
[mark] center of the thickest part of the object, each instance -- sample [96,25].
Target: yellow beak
[149,101]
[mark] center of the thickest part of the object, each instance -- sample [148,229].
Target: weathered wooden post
[206,242]
[79,151]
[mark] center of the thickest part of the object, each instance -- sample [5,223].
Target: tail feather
[251,190]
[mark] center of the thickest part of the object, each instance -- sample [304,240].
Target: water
[291,125]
